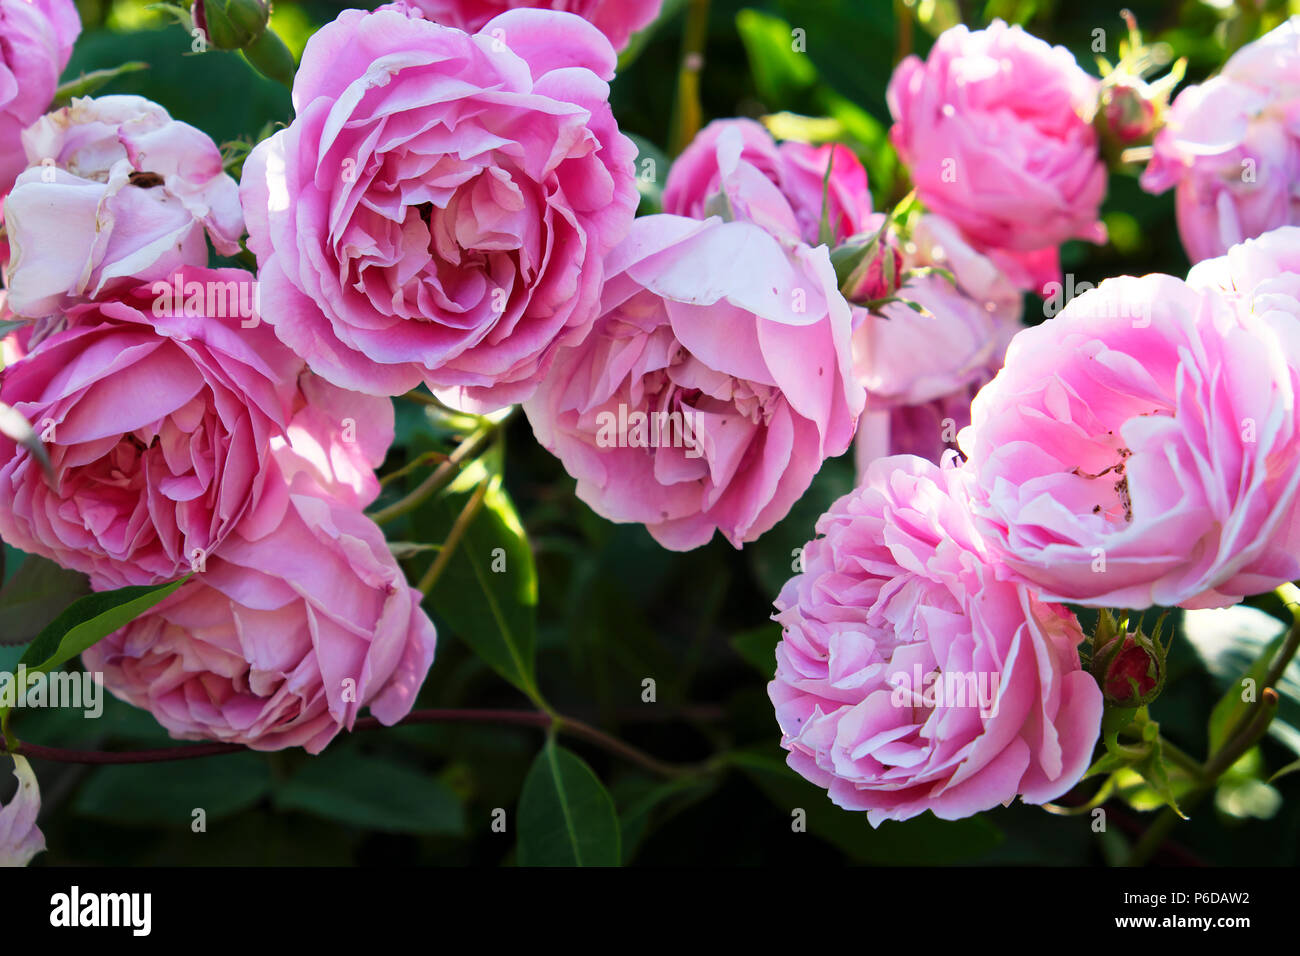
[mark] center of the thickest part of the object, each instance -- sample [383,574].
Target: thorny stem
[526,718]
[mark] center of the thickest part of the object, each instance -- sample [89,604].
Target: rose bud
[1129,665]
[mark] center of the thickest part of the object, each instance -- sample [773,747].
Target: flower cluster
[453,206]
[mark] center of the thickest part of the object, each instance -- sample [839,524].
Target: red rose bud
[1129,111]
[869,272]
[1130,667]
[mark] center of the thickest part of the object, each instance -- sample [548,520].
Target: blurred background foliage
[612,609]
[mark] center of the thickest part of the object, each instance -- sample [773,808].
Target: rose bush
[440,208]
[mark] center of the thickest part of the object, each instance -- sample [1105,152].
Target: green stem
[441,476]
[1235,745]
[428,458]
[689,113]
[458,529]
[1215,767]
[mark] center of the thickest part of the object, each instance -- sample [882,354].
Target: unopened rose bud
[1130,668]
[231,24]
[1128,112]
[869,272]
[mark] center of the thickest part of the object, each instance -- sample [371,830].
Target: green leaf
[1237,644]
[923,841]
[1156,773]
[780,72]
[566,817]
[167,794]
[1292,767]
[90,618]
[88,83]
[487,594]
[1242,794]
[37,593]
[670,796]
[758,647]
[373,793]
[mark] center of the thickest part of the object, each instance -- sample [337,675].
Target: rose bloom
[909,676]
[617,19]
[20,837]
[36,38]
[283,639]
[160,419]
[117,193]
[734,165]
[919,393]
[991,126]
[714,384]
[1142,448]
[440,207]
[1231,146]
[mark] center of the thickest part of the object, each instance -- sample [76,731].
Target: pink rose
[283,639]
[160,418]
[714,384]
[918,394]
[1142,448]
[116,193]
[20,837]
[439,209]
[617,19]
[1259,275]
[37,41]
[991,126]
[733,166]
[1231,146]
[910,677]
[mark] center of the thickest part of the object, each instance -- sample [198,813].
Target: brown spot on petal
[145,180]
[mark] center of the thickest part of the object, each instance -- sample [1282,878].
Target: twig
[525,718]
[458,529]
